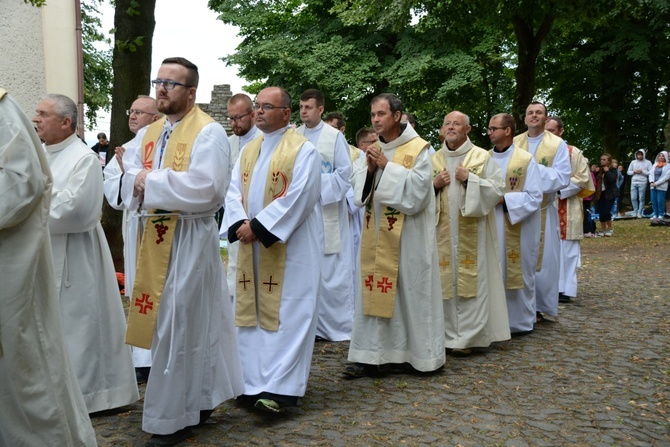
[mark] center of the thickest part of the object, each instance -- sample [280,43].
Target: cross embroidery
[244,281]
[467,262]
[369,282]
[144,303]
[384,285]
[513,256]
[444,263]
[269,283]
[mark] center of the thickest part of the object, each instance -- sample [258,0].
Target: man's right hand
[118,153]
[140,182]
[442,179]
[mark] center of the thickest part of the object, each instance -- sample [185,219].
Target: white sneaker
[609,233]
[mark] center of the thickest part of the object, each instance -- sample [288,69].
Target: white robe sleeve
[557,176]
[202,186]
[283,215]
[234,208]
[407,190]
[132,165]
[358,176]
[525,203]
[76,208]
[112,183]
[482,194]
[335,185]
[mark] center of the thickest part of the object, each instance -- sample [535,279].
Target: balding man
[91,311]
[469,185]
[272,209]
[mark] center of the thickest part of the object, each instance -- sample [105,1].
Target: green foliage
[97,63]
[36,3]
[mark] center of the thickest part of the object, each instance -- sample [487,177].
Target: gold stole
[567,208]
[272,260]
[380,248]
[466,280]
[515,180]
[156,245]
[354,153]
[544,155]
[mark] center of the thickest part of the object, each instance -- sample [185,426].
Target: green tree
[97,63]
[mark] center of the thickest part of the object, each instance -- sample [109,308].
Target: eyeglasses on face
[137,112]
[232,119]
[266,107]
[493,129]
[167,83]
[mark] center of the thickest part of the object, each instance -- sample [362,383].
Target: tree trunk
[131,65]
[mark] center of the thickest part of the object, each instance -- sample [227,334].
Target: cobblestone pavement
[598,376]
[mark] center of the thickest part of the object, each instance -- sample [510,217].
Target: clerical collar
[403,126]
[51,148]
[495,149]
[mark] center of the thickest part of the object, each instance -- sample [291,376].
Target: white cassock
[356,214]
[481,320]
[336,294]
[195,362]
[279,362]
[236,146]
[524,207]
[112,188]
[415,333]
[40,400]
[553,178]
[94,323]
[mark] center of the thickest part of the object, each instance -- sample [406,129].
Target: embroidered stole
[380,247]
[156,245]
[572,206]
[515,181]
[466,252]
[330,212]
[354,153]
[272,260]
[544,155]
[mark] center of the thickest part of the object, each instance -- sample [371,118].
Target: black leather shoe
[563,298]
[173,439]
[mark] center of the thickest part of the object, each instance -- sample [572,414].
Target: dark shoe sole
[167,440]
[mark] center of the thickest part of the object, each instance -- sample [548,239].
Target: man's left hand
[245,233]
[461,173]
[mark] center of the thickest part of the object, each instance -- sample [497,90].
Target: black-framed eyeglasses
[167,83]
[493,129]
[267,107]
[137,112]
[232,119]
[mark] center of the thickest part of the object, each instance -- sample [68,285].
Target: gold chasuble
[515,180]
[272,260]
[544,155]
[570,210]
[466,253]
[380,248]
[156,244]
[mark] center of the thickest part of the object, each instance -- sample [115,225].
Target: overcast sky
[191,30]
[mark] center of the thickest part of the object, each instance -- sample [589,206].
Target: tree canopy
[601,65]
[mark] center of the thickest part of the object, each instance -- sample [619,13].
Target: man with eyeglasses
[398,322]
[551,154]
[142,112]
[241,117]
[517,222]
[176,172]
[468,185]
[272,209]
[336,294]
[571,214]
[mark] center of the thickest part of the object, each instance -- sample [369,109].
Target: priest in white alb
[469,185]
[272,210]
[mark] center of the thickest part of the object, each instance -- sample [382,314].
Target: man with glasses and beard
[176,178]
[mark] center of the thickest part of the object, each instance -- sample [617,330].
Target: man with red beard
[176,177]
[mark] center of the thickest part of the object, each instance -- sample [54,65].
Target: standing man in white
[336,294]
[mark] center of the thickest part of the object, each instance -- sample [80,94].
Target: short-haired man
[469,185]
[85,276]
[242,120]
[571,214]
[398,320]
[176,176]
[638,170]
[143,111]
[336,294]
[272,209]
[40,400]
[518,223]
[365,137]
[551,154]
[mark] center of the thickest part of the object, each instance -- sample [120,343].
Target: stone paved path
[599,376]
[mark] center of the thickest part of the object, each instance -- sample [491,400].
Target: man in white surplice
[242,120]
[551,155]
[40,400]
[271,208]
[469,185]
[336,293]
[91,308]
[518,222]
[398,322]
[195,362]
[142,112]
